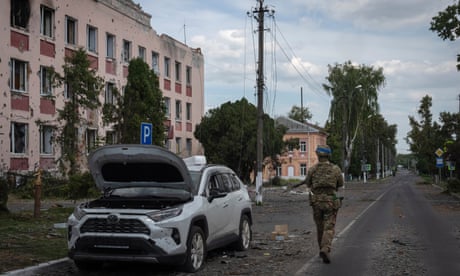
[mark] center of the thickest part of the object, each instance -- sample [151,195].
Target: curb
[30,270]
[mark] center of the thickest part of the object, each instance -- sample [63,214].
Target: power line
[313,84]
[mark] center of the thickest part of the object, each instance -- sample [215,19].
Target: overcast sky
[303,37]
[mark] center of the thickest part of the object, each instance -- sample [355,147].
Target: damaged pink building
[38,34]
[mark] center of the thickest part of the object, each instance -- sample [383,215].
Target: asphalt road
[398,234]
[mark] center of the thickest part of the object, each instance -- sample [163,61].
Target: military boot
[325,256]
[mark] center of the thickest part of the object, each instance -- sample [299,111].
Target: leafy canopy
[447,24]
[83,88]
[229,135]
[300,114]
[142,102]
[354,91]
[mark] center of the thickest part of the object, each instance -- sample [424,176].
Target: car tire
[245,234]
[196,250]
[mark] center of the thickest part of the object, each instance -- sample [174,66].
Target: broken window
[67,91]
[188,111]
[126,50]
[142,53]
[90,139]
[155,63]
[46,139]
[20,13]
[109,97]
[92,39]
[18,137]
[188,75]
[178,145]
[18,75]
[47,21]
[167,107]
[110,137]
[45,81]
[178,69]
[167,66]
[110,45]
[71,30]
[178,110]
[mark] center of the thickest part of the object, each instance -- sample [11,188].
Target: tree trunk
[3,196]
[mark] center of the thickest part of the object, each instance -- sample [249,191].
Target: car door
[219,208]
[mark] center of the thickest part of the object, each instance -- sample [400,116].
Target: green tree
[424,137]
[376,132]
[229,134]
[142,102]
[447,24]
[450,133]
[300,114]
[354,91]
[83,87]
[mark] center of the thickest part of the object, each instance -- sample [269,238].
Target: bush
[276,181]
[76,187]
[82,186]
[453,185]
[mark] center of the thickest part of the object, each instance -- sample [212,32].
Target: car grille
[100,225]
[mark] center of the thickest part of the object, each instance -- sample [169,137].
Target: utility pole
[301,104]
[259,14]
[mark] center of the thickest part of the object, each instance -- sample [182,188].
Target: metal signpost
[439,162]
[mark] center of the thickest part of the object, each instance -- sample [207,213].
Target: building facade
[296,161]
[38,34]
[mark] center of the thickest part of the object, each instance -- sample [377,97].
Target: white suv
[158,208]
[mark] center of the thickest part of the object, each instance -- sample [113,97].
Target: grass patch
[26,241]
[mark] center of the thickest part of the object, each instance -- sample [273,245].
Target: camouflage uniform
[324,179]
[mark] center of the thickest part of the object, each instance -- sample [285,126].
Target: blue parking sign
[439,162]
[146,133]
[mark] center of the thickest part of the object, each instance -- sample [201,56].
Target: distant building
[296,161]
[38,34]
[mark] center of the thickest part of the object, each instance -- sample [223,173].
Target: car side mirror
[214,193]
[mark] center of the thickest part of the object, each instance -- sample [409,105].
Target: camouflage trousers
[325,216]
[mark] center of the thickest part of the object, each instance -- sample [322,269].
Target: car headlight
[164,214]
[79,213]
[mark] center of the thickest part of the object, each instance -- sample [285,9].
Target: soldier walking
[324,180]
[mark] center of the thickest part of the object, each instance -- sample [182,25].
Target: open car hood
[122,165]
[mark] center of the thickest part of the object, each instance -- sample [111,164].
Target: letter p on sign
[146,133]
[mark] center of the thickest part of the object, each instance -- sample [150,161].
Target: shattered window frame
[91,38]
[46,88]
[46,21]
[19,13]
[46,139]
[19,137]
[19,76]
[71,25]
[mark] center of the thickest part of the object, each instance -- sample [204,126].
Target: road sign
[439,162]
[146,133]
[439,152]
[450,165]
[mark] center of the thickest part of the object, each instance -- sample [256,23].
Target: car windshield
[196,177]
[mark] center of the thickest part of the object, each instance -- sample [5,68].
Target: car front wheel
[196,250]
[244,238]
